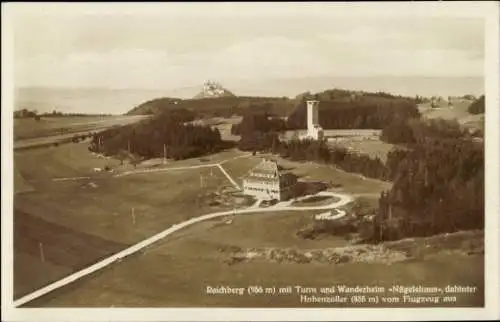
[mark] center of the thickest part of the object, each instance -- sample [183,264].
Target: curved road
[282,206]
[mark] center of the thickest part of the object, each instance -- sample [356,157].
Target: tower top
[312,102]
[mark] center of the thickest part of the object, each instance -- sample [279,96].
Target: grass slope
[67,216]
[176,274]
[28,128]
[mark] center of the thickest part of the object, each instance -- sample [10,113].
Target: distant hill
[212,90]
[154,106]
[225,106]
[340,94]
[334,102]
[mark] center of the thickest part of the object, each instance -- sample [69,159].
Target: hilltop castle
[213,89]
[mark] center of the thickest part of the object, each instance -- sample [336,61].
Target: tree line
[258,121]
[416,131]
[360,113]
[366,112]
[319,151]
[437,187]
[438,179]
[26,113]
[341,109]
[438,182]
[169,133]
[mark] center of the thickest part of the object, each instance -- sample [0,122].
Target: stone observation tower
[314,130]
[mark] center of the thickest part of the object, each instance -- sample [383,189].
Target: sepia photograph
[218,160]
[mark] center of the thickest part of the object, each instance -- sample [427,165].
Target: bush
[399,131]
[366,230]
[477,107]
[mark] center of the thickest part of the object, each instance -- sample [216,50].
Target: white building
[265,181]
[314,130]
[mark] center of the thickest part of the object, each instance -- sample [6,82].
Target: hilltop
[154,106]
[225,106]
[213,89]
[216,101]
[340,108]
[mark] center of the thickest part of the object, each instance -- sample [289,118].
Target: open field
[344,182]
[46,251]
[340,133]
[20,185]
[373,148]
[28,128]
[225,132]
[217,238]
[46,141]
[238,168]
[177,272]
[144,244]
[365,141]
[68,160]
[205,160]
[309,171]
[104,208]
[99,206]
[223,125]
[458,111]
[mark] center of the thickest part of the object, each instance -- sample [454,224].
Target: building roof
[268,170]
[266,167]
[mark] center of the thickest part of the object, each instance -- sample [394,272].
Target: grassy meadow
[177,271]
[28,128]
[100,206]
[458,111]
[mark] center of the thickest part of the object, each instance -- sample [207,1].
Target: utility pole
[380,231]
[42,255]
[133,216]
[164,154]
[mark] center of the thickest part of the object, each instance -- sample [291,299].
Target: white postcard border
[489,10]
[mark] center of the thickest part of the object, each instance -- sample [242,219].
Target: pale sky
[184,44]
